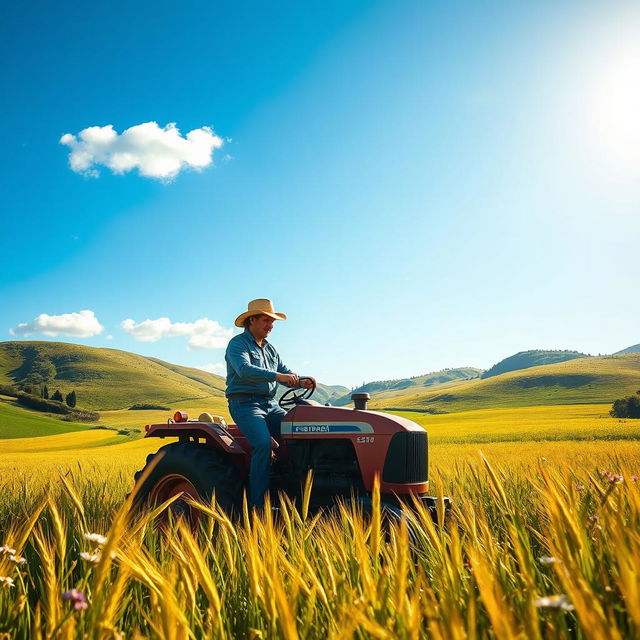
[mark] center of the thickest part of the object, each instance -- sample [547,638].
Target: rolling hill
[102,378]
[111,379]
[632,349]
[576,381]
[402,386]
[533,358]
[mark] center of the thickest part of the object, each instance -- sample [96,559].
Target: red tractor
[344,448]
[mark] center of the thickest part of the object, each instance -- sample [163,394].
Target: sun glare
[615,101]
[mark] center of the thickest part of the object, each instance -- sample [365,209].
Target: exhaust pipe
[360,400]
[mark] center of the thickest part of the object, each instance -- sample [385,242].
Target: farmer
[253,368]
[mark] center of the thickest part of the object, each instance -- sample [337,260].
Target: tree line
[71,399]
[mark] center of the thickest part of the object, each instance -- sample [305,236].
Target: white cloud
[78,325]
[157,152]
[203,333]
[214,367]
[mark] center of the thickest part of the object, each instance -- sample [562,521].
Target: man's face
[261,326]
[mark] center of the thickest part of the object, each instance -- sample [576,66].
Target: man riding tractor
[253,370]
[348,451]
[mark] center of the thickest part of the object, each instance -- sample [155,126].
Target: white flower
[94,558]
[18,559]
[559,601]
[96,538]
[6,549]
[4,580]
[548,560]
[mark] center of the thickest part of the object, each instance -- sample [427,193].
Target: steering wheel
[290,398]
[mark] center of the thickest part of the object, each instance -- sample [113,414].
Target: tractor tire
[195,469]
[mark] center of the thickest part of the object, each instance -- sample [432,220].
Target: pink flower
[77,599]
[613,478]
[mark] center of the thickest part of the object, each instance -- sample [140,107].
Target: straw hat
[261,306]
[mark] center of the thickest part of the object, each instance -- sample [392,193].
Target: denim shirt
[252,368]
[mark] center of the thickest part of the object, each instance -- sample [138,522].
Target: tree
[57,396]
[45,392]
[71,399]
[628,407]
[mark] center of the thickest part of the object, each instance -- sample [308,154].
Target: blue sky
[417,185]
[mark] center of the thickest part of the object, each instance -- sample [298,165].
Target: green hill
[633,349]
[112,379]
[102,378]
[577,381]
[402,386]
[329,393]
[198,375]
[533,358]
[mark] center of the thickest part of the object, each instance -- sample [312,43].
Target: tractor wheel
[193,469]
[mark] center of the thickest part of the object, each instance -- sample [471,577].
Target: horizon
[417,187]
[364,382]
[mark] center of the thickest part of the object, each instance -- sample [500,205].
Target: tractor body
[345,449]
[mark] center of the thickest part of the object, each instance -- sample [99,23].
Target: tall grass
[551,554]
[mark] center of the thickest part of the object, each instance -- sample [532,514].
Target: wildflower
[94,558]
[76,598]
[6,549]
[548,560]
[613,478]
[96,538]
[634,478]
[559,601]
[579,487]
[17,559]
[6,581]
[594,518]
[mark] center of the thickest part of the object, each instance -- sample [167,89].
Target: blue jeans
[258,418]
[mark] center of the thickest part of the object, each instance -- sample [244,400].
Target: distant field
[565,422]
[523,458]
[517,437]
[125,418]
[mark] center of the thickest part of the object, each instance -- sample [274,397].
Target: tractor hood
[309,419]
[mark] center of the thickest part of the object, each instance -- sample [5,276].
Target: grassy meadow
[546,541]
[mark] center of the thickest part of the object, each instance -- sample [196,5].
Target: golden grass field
[544,545]
[518,435]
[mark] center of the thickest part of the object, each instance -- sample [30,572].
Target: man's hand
[307,382]
[287,379]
